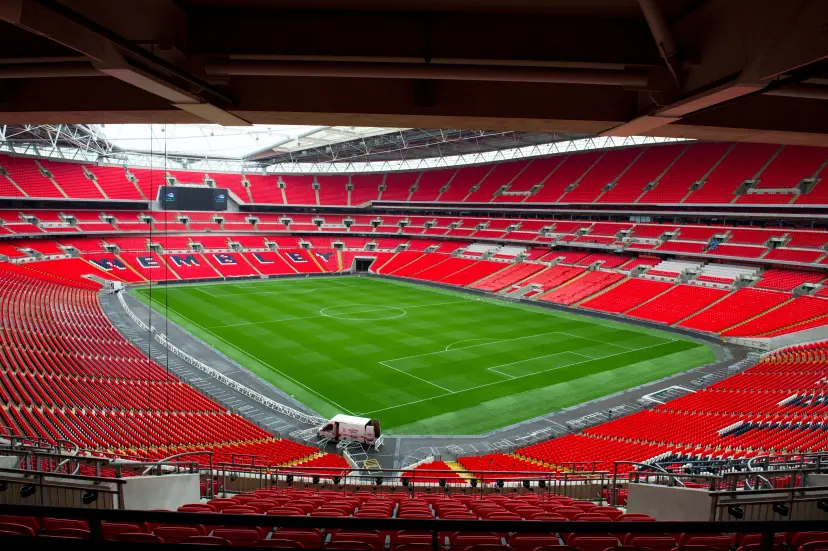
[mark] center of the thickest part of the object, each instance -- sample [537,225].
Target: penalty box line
[379,307]
[510,340]
[449,393]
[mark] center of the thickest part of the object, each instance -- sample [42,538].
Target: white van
[348,427]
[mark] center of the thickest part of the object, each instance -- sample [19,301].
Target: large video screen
[192,198]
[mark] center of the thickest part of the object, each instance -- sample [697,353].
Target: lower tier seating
[627,295]
[678,303]
[63,367]
[739,306]
[582,287]
[569,281]
[507,277]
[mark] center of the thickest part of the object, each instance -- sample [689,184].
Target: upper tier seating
[611,166]
[463,181]
[691,166]
[647,168]
[669,169]
[25,176]
[743,161]
[397,188]
[72,180]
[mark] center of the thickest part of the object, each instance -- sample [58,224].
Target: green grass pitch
[422,360]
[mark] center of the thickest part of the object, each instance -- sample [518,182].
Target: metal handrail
[164,461]
[657,471]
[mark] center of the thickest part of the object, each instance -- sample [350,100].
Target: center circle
[362,312]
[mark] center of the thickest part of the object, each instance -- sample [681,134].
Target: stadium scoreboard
[193,198]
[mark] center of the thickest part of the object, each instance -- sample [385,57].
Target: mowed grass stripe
[352,362]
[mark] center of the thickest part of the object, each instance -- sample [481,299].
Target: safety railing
[240,478]
[770,504]
[64,489]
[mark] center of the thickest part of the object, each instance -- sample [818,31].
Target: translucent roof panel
[207,140]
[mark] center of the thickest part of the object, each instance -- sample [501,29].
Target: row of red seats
[629,169]
[740,240]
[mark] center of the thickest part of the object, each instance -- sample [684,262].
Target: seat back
[9,528]
[716,542]
[114,528]
[799,539]
[69,533]
[205,540]
[279,544]
[592,542]
[50,524]
[531,541]
[311,536]
[351,546]
[31,522]
[237,535]
[137,537]
[176,534]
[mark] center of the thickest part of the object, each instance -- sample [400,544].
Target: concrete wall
[817,480]
[161,492]
[663,503]
[809,335]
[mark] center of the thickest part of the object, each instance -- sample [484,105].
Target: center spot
[362,312]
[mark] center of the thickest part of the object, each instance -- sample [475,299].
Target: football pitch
[422,360]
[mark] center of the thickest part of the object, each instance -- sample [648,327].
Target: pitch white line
[473,346]
[262,322]
[448,348]
[233,295]
[517,377]
[494,368]
[379,307]
[286,376]
[418,378]
[515,339]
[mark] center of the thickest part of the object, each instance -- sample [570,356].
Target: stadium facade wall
[800,337]
[808,335]
[169,492]
[669,503]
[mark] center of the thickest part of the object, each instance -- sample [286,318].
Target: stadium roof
[257,142]
[272,148]
[702,69]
